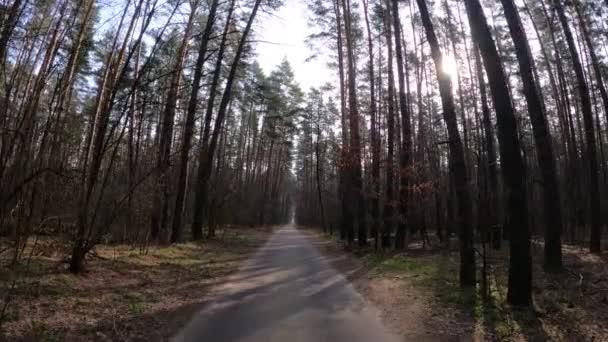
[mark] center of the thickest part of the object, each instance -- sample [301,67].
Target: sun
[449,66]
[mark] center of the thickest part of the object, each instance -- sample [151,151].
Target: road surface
[286,292]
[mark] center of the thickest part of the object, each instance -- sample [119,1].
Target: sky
[279,35]
[282,34]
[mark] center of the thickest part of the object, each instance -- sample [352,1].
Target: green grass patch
[136,307]
[400,263]
[135,304]
[438,274]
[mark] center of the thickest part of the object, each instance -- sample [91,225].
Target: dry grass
[125,295]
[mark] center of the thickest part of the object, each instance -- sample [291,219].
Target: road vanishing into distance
[286,292]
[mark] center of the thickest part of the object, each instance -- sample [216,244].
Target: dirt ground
[408,310]
[125,295]
[418,296]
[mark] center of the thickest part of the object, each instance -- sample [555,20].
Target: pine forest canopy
[156,121]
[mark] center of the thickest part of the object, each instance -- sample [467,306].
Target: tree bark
[375,186]
[94,149]
[520,262]
[205,163]
[200,197]
[583,90]
[12,15]
[354,157]
[159,215]
[542,138]
[457,157]
[347,216]
[493,204]
[389,205]
[406,131]
[189,124]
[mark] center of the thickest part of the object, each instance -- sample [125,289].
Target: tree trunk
[347,216]
[375,186]
[542,138]
[389,205]
[354,158]
[160,208]
[406,131]
[93,151]
[189,124]
[319,177]
[585,99]
[67,80]
[520,262]
[595,243]
[12,15]
[493,204]
[457,157]
[204,164]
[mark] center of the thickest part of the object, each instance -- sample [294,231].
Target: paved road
[287,292]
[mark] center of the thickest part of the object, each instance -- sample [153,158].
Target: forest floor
[419,298]
[125,295]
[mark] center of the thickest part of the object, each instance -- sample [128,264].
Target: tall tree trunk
[599,79]
[347,216]
[159,215]
[513,169]
[389,206]
[354,158]
[205,163]
[375,186]
[319,177]
[189,124]
[93,151]
[572,169]
[406,130]
[542,138]
[24,154]
[457,158]
[493,204]
[67,80]
[463,109]
[13,14]
[583,89]
[553,83]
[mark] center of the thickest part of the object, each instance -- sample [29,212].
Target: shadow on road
[288,290]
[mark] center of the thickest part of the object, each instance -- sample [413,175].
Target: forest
[135,130]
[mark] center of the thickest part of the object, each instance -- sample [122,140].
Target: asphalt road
[286,292]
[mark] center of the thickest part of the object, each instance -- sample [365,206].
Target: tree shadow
[170,282]
[279,287]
